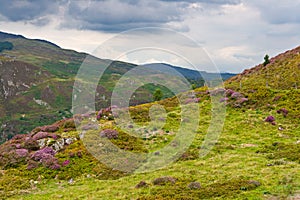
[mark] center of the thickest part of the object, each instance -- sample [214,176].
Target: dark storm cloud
[17,10]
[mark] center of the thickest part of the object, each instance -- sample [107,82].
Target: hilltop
[37,78]
[256,155]
[274,85]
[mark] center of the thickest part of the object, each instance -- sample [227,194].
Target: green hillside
[255,157]
[37,80]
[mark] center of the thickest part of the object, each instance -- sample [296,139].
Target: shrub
[42,135]
[109,133]
[242,100]
[43,154]
[50,128]
[22,152]
[194,185]
[157,95]
[283,111]
[270,119]
[236,95]
[65,163]
[31,164]
[192,100]
[229,92]
[164,180]
[225,99]
[141,184]
[31,144]
[106,112]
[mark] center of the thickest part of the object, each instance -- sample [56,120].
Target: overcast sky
[236,34]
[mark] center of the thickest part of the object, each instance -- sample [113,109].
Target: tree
[194,86]
[266,58]
[157,95]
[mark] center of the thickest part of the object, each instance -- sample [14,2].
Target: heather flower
[99,115]
[65,163]
[79,154]
[22,152]
[192,100]
[242,100]
[106,112]
[55,166]
[42,135]
[270,119]
[31,144]
[18,137]
[32,164]
[236,95]
[277,98]
[283,111]
[229,92]
[43,154]
[225,99]
[50,128]
[109,133]
[164,180]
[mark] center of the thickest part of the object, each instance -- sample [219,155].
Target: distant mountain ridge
[192,74]
[4,35]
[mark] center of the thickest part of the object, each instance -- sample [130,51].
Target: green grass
[224,173]
[248,151]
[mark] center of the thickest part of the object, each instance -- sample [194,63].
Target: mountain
[196,77]
[37,79]
[256,155]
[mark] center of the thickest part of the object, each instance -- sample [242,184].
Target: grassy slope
[226,167]
[248,149]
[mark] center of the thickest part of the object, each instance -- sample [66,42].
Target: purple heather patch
[270,119]
[229,92]
[43,154]
[65,163]
[224,99]
[42,135]
[22,152]
[243,100]
[236,95]
[109,133]
[283,111]
[192,100]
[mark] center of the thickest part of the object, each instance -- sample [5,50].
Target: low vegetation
[255,157]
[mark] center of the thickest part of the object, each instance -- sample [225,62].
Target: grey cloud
[274,12]
[18,10]
[118,15]
[207,1]
[106,15]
